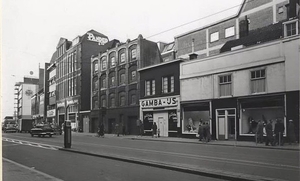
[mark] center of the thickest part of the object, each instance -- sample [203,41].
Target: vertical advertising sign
[148,120]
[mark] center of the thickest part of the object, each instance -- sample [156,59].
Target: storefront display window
[172,120]
[148,120]
[251,116]
[192,118]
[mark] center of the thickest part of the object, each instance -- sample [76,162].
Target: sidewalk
[286,146]
[13,171]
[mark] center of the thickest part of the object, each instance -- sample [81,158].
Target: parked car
[42,130]
[10,128]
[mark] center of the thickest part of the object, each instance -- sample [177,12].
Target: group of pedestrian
[204,131]
[100,131]
[275,137]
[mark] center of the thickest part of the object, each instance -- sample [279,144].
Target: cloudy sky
[31,28]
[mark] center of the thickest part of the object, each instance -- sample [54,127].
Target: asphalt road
[78,167]
[270,163]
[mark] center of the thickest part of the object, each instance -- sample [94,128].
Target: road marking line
[38,145]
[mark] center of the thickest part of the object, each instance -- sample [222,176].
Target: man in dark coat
[200,131]
[269,131]
[154,129]
[291,132]
[260,132]
[279,129]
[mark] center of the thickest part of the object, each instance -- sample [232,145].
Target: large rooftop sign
[99,39]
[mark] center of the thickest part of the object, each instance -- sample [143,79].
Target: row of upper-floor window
[67,64]
[67,88]
[112,60]
[111,81]
[61,50]
[168,86]
[112,101]
[257,83]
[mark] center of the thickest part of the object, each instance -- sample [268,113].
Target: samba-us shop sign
[159,102]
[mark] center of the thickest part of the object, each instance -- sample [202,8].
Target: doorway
[162,123]
[226,124]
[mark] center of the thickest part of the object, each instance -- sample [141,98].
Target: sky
[31,29]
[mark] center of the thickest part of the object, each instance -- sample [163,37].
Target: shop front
[192,114]
[165,112]
[260,108]
[51,116]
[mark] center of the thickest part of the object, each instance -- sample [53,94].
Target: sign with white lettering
[72,101]
[61,104]
[100,40]
[159,102]
[51,113]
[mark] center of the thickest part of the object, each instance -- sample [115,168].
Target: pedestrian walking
[204,132]
[291,132]
[117,129]
[154,129]
[279,129]
[101,130]
[200,131]
[269,132]
[208,136]
[123,130]
[260,131]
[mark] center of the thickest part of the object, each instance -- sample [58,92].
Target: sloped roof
[53,58]
[109,45]
[61,41]
[261,35]
[96,33]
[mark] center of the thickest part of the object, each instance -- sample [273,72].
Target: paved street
[245,160]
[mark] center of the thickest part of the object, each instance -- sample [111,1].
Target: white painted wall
[26,100]
[199,78]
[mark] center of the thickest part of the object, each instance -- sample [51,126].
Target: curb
[220,144]
[201,171]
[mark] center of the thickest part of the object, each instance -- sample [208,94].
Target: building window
[112,101]
[214,37]
[103,101]
[122,57]
[112,81]
[122,78]
[103,83]
[96,84]
[95,67]
[133,54]
[280,9]
[112,62]
[133,100]
[133,76]
[150,87]
[258,78]
[104,63]
[168,84]
[225,85]
[229,32]
[122,100]
[291,27]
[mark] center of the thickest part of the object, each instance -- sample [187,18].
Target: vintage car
[10,128]
[42,130]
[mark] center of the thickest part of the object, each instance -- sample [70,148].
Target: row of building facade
[229,74]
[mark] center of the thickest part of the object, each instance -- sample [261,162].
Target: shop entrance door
[162,123]
[226,124]
[86,125]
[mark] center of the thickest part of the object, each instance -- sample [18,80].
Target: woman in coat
[154,129]
[269,131]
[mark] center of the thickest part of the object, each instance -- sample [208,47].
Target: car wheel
[39,135]
[50,135]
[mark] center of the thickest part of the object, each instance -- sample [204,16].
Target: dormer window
[291,28]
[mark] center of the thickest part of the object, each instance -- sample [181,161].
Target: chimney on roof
[244,27]
[193,55]
[292,9]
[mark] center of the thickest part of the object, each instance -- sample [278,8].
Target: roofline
[215,23]
[160,64]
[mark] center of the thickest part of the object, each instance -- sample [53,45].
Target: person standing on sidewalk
[154,129]
[141,128]
[279,129]
[291,132]
[200,131]
[269,131]
[208,136]
[260,131]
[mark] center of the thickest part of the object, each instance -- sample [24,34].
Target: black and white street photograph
[160,90]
